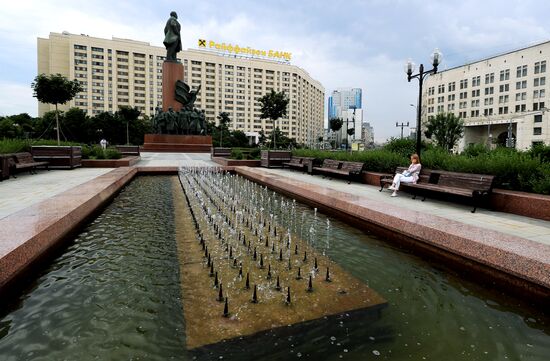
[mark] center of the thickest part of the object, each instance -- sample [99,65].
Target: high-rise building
[502,99]
[116,72]
[343,99]
[367,135]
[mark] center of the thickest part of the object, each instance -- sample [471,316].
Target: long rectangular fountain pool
[116,291]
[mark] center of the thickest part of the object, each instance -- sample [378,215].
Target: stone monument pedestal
[171,72]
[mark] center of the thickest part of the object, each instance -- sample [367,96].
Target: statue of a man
[172,37]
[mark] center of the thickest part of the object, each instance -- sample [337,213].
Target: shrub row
[88,152]
[523,171]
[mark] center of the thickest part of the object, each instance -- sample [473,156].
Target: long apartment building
[121,72]
[502,99]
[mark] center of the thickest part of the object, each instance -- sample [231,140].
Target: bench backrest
[424,176]
[22,158]
[331,163]
[218,151]
[479,182]
[280,155]
[296,160]
[128,149]
[355,167]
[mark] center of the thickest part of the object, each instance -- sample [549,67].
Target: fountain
[231,229]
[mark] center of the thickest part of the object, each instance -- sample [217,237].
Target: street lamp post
[421,75]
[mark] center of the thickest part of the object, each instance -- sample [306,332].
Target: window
[537,81]
[464,95]
[451,97]
[504,88]
[475,103]
[490,90]
[487,112]
[503,110]
[441,89]
[504,75]
[503,99]
[488,101]
[521,108]
[521,84]
[540,67]
[476,81]
[537,131]
[535,94]
[452,86]
[475,93]
[464,84]
[521,71]
[538,118]
[489,78]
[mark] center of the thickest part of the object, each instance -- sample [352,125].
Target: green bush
[515,170]
[236,154]
[112,153]
[541,183]
[404,146]
[24,145]
[473,150]
[255,153]
[14,145]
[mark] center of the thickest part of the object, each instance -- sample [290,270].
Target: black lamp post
[409,69]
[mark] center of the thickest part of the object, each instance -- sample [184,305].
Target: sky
[352,43]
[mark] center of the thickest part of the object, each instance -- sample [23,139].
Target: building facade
[119,72]
[502,99]
[343,99]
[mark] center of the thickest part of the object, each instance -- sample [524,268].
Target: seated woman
[408,176]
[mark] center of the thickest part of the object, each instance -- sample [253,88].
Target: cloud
[341,44]
[17,98]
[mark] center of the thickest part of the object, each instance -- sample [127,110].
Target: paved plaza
[26,190]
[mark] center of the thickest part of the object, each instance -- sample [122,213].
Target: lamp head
[409,67]
[436,58]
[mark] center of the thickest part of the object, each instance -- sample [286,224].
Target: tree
[239,139]
[128,114]
[274,106]
[446,129]
[224,120]
[335,124]
[55,89]
[76,124]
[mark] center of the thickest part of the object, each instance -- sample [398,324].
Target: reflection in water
[114,294]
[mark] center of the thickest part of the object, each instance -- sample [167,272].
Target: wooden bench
[20,161]
[349,170]
[58,156]
[128,149]
[220,152]
[476,187]
[275,158]
[300,163]
[387,180]
[4,166]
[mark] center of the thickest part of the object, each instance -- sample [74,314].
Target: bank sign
[246,51]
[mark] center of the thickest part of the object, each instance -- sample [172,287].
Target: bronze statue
[185,95]
[172,37]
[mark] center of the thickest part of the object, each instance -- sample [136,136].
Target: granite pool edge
[517,259]
[29,234]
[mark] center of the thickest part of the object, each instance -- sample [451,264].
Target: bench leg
[474,210]
[423,198]
[414,196]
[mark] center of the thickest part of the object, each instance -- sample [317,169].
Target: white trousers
[400,178]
